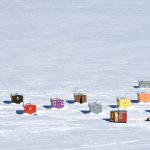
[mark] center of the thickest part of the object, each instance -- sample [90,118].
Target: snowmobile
[148,119]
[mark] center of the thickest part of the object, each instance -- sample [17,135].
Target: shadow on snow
[7,102]
[19,112]
[70,101]
[107,119]
[113,106]
[85,111]
[134,101]
[135,87]
[47,106]
[147,111]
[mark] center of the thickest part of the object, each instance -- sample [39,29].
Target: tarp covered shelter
[144,84]
[143,97]
[80,98]
[57,103]
[124,102]
[119,116]
[16,98]
[30,108]
[95,107]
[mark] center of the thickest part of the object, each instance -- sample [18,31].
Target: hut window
[17,98]
[120,115]
[112,115]
[62,103]
[54,103]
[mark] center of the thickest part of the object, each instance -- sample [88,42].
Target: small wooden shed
[57,103]
[30,108]
[143,97]
[95,107]
[119,116]
[144,84]
[16,98]
[124,102]
[80,98]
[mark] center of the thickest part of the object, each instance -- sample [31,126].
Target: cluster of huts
[28,108]
[58,103]
[31,108]
[117,115]
[121,115]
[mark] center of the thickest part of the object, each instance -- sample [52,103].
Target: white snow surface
[48,48]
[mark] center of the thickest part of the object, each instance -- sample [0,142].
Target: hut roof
[118,111]
[120,98]
[144,92]
[144,81]
[56,99]
[15,94]
[94,103]
[76,94]
[29,104]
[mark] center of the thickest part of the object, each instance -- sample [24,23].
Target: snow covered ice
[50,47]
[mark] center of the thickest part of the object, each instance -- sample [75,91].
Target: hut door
[30,108]
[120,115]
[17,99]
[81,99]
[116,116]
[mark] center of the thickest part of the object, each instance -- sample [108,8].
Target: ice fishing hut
[143,97]
[57,103]
[95,107]
[16,98]
[144,84]
[123,102]
[80,98]
[30,108]
[119,116]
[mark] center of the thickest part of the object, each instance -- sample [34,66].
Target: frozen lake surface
[49,48]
